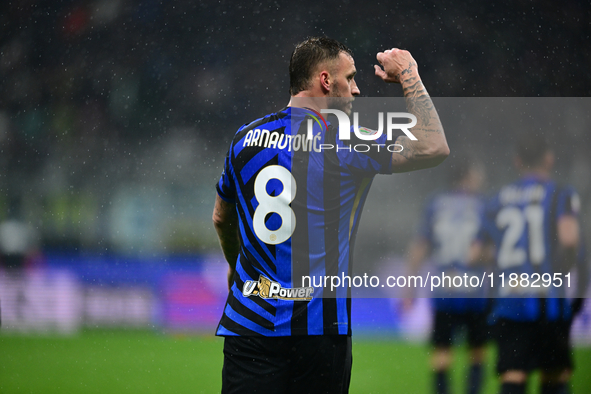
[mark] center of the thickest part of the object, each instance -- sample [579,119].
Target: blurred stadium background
[115,116]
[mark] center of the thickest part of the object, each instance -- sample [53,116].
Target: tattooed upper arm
[400,158]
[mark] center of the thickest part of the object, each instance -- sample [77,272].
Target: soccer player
[285,208]
[534,226]
[450,224]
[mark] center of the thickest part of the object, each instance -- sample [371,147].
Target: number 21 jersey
[521,220]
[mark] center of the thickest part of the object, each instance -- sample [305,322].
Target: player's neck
[307,100]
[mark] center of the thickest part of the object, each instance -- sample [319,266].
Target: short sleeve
[372,156]
[568,202]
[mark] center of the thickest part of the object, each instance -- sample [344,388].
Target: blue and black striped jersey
[299,202]
[450,224]
[521,221]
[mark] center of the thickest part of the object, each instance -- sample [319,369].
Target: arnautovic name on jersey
[265,139]
[276,140]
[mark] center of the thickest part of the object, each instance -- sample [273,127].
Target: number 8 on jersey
[274,204]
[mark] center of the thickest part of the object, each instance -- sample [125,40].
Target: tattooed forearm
[418,102]
[422,109]
[409,69]
[430,148]
[407,149]
[411,89]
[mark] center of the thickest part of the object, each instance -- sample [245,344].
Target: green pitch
[147,362]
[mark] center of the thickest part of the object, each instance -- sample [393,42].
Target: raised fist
[397,64]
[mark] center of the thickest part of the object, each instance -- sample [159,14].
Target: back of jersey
[521,220]
[299,202]
[450,225]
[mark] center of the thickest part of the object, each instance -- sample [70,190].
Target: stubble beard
[336,101]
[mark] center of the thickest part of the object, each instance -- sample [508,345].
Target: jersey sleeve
[568,202]
[225,187]
[372,156]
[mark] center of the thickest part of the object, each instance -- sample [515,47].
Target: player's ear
[325,81]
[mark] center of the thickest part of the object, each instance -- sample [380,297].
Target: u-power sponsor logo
[266,288]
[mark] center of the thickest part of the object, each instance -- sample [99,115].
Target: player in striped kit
[450,223]
[534,225]
[286,208]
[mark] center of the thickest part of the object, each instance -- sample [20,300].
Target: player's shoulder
[533,190]
[560,193]
[262,121]
[524,190]
[566,189]
[568,198]
[265,122]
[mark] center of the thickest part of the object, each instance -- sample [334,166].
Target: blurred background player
[534,225]
[450,224]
